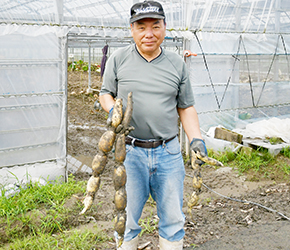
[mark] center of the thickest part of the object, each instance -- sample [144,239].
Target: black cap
[146,9]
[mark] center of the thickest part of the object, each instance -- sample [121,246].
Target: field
[255,217]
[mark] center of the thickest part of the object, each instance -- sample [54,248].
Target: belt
[146,143]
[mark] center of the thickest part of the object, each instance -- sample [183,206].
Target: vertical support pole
[238,15]
[89,78]
[59,11]
[186,44]
[277,61]
[277,16]
[181,136]
[64,83]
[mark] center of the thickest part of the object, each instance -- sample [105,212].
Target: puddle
[86,127]
[85,159]
[89,140]
[80,163]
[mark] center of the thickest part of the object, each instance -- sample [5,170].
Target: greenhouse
[237,53]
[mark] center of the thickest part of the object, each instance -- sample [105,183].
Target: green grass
[286,152]
[258,164]
[69,240]
[36,217]
[31,197]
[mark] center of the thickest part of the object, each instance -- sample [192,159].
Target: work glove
[109,120]
[198,145]
[97,106]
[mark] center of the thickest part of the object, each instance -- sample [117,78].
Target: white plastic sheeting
[239,78]
[207,15]
[273,127]
[14,177]
[32,95]
[233,43]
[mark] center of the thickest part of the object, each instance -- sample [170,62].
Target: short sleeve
[110,81]
[185,97]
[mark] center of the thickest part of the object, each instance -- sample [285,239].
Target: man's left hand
[198,145]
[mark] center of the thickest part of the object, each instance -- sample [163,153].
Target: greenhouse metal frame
[240,75]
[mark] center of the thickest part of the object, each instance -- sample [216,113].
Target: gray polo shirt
[158,87]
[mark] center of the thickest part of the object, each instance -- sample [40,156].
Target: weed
[223,157]
[151,201]
[149,224]
[206,201]
[274,140]
[193,246]
[284,167]
[286,152]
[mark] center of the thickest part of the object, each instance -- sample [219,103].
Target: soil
[255,217]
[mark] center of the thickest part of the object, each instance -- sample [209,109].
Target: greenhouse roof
[258,16]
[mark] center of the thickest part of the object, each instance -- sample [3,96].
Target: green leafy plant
[82,66]
[224,157]
[284,167]
[286,152]
[149,224]
[274,140]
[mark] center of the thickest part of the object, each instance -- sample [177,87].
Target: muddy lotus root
[114,136]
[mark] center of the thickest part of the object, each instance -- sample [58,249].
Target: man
[161,92]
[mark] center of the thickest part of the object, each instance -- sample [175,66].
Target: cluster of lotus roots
[118,128]
[197,179]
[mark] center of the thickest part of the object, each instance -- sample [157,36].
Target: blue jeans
[159,172]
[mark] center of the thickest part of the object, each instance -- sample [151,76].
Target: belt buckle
[155,144]
[151,143]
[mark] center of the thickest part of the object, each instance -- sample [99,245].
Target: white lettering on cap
[147,10]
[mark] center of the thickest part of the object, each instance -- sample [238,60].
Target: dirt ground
[216,223]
